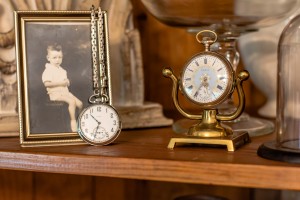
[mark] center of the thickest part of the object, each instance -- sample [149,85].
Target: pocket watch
[207,80]
[99,123]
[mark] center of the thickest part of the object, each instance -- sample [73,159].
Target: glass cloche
[287,145]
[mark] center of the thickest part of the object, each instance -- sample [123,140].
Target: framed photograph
[54,70]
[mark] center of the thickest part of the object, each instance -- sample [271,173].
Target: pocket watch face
[207,79]
[99,124]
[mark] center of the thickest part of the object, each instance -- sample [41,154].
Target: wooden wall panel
[123,189]
[15,185]
[18,185]
[169,191]
[119,189]
[62,186]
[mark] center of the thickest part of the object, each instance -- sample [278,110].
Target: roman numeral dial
[207,78]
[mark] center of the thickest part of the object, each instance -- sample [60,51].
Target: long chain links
[99,79]
[102,68]
[94,51]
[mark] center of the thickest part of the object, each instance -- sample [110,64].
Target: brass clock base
[232,141]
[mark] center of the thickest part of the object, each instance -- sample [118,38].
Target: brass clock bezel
[229,88]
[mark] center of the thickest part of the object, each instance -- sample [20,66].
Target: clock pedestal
[209,130]
[209,126]
[232,141]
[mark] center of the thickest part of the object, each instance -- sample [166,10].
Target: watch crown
[207,39]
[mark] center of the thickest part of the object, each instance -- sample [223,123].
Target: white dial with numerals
[99,124]
[207,79]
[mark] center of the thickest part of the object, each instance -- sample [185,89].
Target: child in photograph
[56,82]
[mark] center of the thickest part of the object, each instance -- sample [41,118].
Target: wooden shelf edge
[240,175]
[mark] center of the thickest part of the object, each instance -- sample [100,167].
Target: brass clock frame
[209,130]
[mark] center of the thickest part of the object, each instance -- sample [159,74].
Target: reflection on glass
[288,99]
[242,13]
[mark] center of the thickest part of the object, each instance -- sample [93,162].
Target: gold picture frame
[45,121]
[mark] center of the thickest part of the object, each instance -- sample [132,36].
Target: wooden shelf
[143,154]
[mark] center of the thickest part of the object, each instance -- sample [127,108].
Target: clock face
[99,124]
[207,79]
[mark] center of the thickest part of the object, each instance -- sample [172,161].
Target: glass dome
[288,98]
[249,14]
[287,146]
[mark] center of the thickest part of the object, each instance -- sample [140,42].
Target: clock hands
[95,119]
[204,84]
[99,132]
[98,126]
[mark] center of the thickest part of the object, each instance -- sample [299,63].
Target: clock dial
[99,124]
[206,79]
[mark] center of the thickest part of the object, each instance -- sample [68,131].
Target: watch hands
[213,94]
[94,133]
[197,91]
[96,120]
[204,84]
[99,132]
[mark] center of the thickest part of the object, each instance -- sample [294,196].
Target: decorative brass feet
[232,141]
